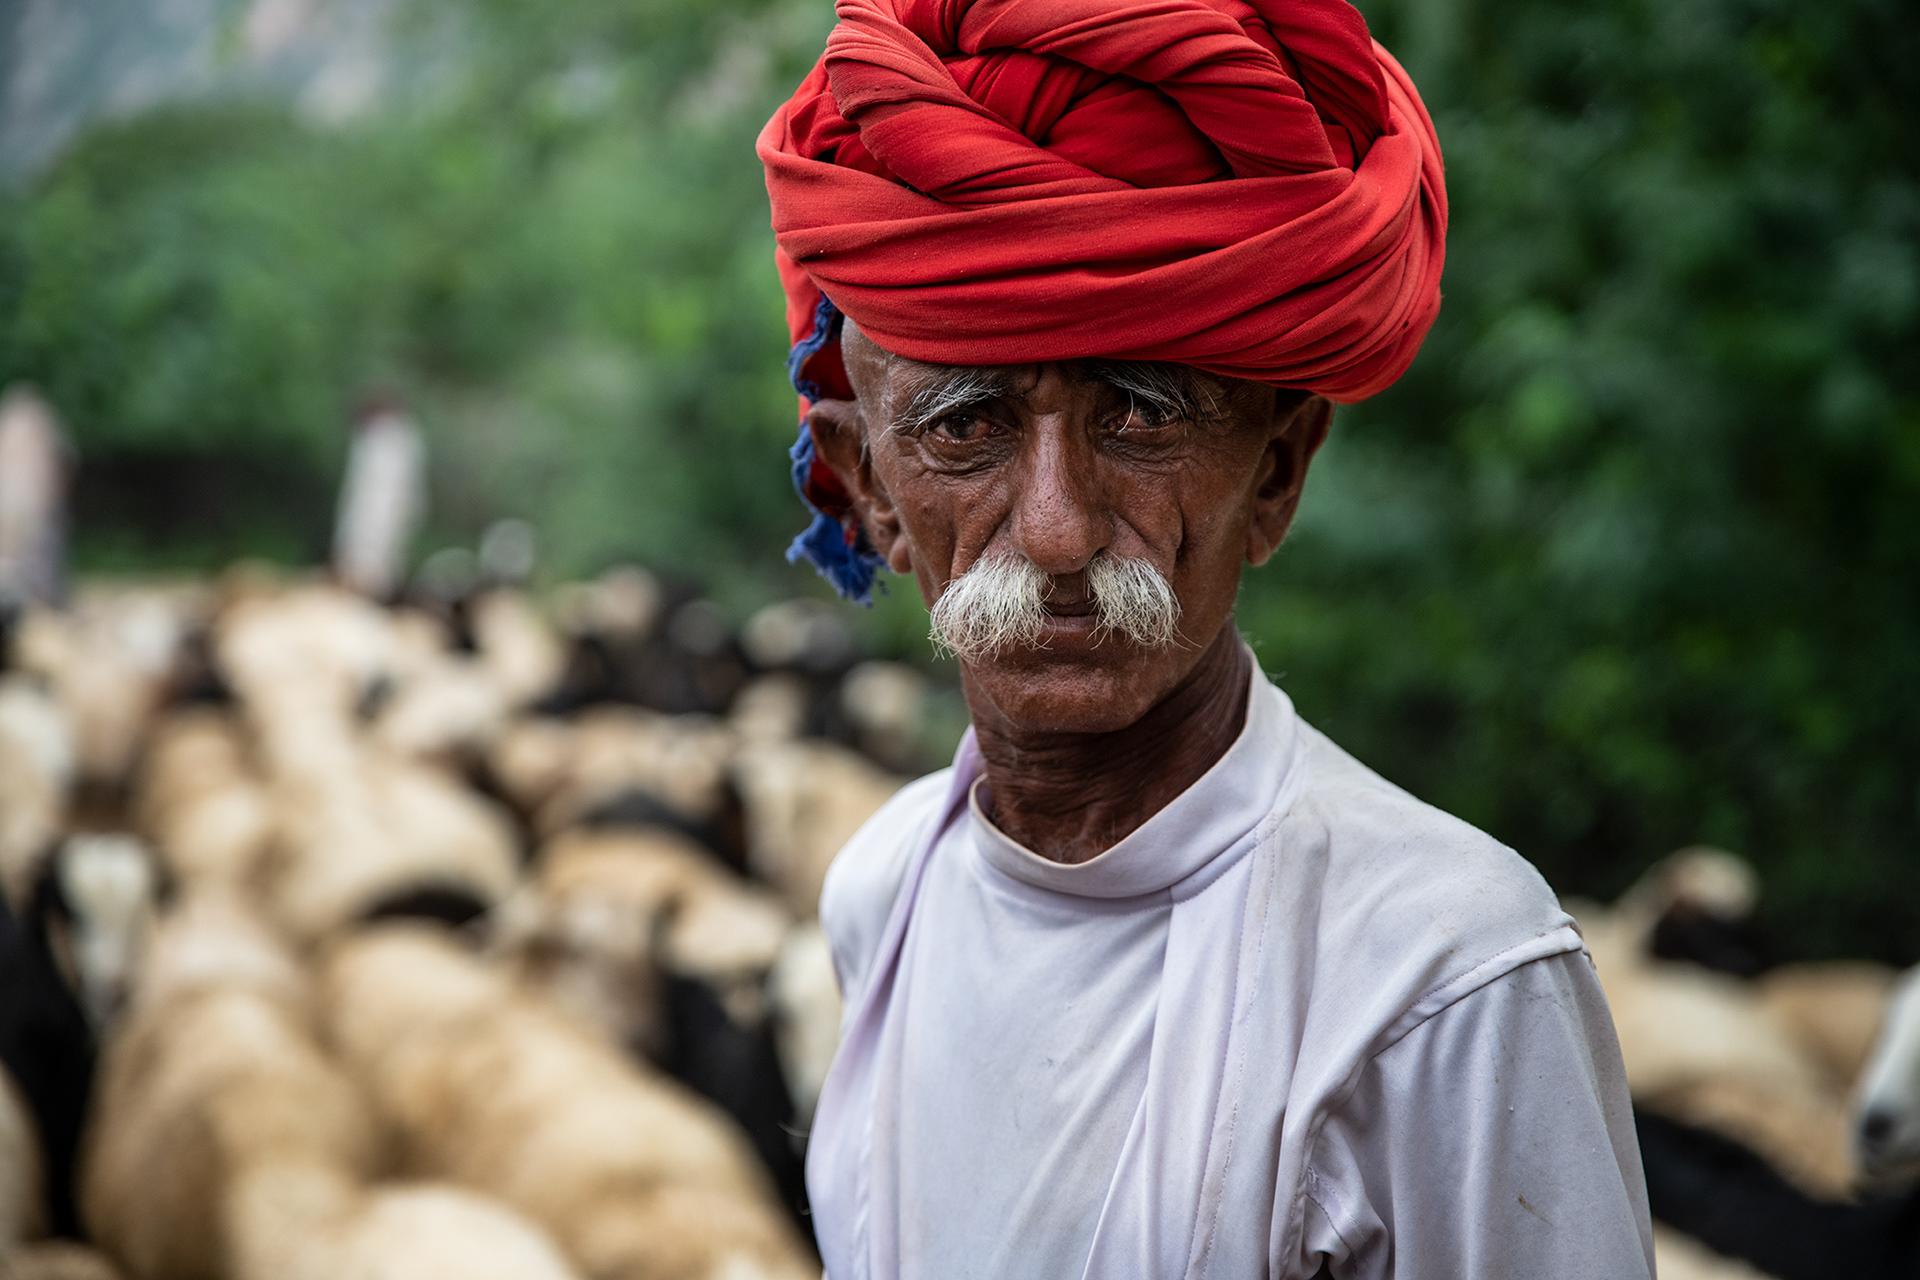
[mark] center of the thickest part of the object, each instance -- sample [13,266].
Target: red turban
[1250,187]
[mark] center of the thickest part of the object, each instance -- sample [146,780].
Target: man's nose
[1061,518]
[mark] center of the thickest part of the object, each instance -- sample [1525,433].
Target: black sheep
[1718,1192]
[1723,944]
[737,1067]
[692,662]
[453,905]
[723,833]
[46,1041]
[11,611]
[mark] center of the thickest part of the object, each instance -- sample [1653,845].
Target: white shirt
[1295,1020]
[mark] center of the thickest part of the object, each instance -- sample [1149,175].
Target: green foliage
[1623,564]
[1626,562]
[555,246]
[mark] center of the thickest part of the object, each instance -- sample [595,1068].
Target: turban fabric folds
[1249,187]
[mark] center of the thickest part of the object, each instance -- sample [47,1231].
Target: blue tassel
[802,455]
[849,567]
[826,327]
[850,564]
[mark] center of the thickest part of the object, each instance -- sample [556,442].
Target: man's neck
[1069,797]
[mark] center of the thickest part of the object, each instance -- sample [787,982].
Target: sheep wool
[57,1260]
[1887,1102]
[632,1176]
[804,801]
[295,1221]
[214,1074]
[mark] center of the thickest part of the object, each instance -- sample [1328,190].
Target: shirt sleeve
[1495,1139]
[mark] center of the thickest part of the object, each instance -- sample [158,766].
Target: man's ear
[1298,430]
[839,436]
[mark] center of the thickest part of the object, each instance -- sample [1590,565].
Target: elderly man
[1155,980]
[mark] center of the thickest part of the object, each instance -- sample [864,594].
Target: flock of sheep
[460,938]
[468,938]
[1778,1105]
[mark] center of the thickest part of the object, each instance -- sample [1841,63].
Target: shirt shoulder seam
[1453,989]
[1450,991]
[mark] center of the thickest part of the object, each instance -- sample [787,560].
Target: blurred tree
[1627,561]
[554,242]
[1624,563]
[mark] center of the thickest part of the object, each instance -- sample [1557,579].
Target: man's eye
[960,427]
[1144,421]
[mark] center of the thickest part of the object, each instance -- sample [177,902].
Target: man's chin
[1099,684]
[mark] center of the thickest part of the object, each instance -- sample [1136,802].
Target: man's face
[1059,465]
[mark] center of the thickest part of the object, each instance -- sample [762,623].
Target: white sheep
[560,772]
[1887,1103]
[624,605]
[770,708]
[1679,1023]
[1703,1046]
[1678,1257]
[606,910]
[228,1147]
[374,830]
[886,703]
[304,652]
[447,712]
[200,800]
[109,662]
[107,887]
[215,1069]
[293,1221]
[518,648]
[682,760]
[804,800]
[805,995]
[1833,1010]
[528,760]
[56,1260]
[636,1178]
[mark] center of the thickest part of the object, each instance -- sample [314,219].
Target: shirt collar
[1212,818]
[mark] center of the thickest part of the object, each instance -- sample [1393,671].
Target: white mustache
[1001,604]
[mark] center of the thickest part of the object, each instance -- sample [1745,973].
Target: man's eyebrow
[1168,391]
[949,392]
